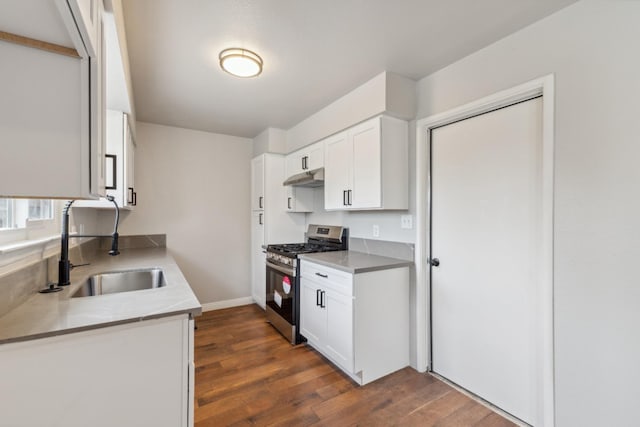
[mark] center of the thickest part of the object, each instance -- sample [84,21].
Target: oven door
[281,291]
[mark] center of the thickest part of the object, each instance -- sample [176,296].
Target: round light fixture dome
[240,62]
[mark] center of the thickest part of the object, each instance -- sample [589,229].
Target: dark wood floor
[248,374]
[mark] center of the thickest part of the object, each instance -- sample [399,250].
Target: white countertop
[45,315]
[355,262]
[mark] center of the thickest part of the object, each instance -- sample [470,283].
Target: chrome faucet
[64,265]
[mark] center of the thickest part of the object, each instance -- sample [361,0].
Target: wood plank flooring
[247,374]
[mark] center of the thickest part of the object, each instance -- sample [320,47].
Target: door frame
[543,86]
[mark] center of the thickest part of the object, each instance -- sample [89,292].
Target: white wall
[592,47]
[194,187]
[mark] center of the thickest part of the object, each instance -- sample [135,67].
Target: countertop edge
[197,311]
[386,263]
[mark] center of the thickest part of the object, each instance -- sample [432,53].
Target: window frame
[34,230]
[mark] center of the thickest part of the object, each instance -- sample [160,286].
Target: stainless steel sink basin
[121,281]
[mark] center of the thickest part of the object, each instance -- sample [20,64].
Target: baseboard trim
[218,305]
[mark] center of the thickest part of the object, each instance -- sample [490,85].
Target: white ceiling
[314,52]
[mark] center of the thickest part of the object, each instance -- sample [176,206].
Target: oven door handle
[289,271]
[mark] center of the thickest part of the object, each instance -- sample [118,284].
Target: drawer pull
[322,275]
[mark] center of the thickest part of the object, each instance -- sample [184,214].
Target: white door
[486,233]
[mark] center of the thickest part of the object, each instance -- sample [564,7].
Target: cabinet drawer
[334,279]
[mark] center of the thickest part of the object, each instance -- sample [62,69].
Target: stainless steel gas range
[283,276]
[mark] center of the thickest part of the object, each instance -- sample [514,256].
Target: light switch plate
[406,221]
[376,231]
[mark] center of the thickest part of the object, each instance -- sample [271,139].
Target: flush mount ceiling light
[240,62]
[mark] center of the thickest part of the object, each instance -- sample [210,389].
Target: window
[15,213]
[26,220]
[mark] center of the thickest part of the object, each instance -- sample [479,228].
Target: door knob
[434,262]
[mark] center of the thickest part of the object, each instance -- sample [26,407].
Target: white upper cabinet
[366,166]
[119,165]
[120,144]
[298,199]
[305,159]
[52,103]
[337,171]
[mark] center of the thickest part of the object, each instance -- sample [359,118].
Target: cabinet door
[140,369]
[98,98]
[337,172]
[257,183]
[339,335]
[115,147]
[367,183]
[313,317]
[88,19]
[315,156]
[258,269]
[130,195]
[290,199]
[293,164]
[298,199]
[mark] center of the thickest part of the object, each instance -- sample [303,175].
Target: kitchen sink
[121,281]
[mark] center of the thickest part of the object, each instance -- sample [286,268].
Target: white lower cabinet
[136,374]
[339,337]
[358,321]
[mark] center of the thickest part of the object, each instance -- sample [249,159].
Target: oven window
[281,293]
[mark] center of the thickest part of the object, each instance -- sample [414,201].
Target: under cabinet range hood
[312,178]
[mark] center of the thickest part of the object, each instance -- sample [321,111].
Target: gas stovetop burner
[293,249]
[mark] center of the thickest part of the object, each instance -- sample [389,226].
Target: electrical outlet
[406,221]
[376,230]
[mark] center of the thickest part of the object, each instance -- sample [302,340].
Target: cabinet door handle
[344,197]
[349,197]
[321,275]
[322,299]
[260,219]
[135,198]
[288,202]
[317,296]
[260,202]
[130,195]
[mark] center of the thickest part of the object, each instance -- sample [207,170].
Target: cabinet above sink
[52,104]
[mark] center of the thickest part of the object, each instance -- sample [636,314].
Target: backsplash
[383,248]
[136,241]
[18,286]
